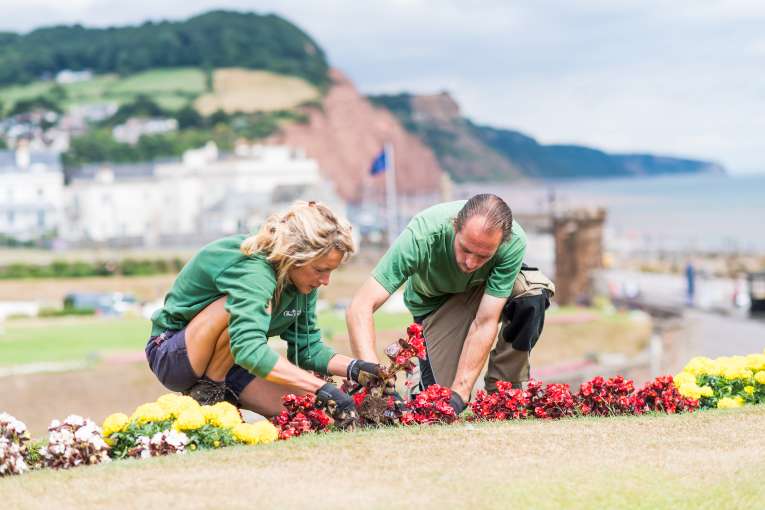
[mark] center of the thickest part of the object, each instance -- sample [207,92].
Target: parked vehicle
[106,303]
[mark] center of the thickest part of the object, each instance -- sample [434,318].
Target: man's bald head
[480,227]
[496,213]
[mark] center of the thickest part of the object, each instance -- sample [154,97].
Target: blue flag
[380,164]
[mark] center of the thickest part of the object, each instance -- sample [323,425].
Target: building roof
[121,172]
[50,159]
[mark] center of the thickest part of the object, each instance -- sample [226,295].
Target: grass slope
[234,90]
[245,90]
[712,459]
[170,88]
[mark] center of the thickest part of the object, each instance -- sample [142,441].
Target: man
[462,264]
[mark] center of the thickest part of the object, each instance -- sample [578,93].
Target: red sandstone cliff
[347,135]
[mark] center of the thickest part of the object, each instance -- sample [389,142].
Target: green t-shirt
[220,268]
[423,256]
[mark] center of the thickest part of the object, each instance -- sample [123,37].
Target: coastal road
[715,327]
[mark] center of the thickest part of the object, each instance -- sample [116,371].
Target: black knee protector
[523,319]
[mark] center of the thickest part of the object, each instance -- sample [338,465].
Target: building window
[40,218]
[11,217]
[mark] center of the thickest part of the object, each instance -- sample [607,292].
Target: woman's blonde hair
[305,232]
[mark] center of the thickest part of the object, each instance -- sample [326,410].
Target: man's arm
[361,324]
[480,337]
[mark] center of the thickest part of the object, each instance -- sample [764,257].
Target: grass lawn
[82,338]
[71,339]
[712,459]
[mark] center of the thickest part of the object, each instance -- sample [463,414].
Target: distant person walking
[690,283]
[210,338]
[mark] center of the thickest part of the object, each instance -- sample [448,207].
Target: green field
[86,338]
[705,460]
[76,339]
[170,88]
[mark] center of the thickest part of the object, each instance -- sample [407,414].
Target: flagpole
[390,193]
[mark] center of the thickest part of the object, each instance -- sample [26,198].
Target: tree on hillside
[214,39]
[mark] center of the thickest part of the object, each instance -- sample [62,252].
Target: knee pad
[523,319]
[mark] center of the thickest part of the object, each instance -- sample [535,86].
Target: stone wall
[578,251]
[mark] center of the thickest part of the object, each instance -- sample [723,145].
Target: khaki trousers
[522,320]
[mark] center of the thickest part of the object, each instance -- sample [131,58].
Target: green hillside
[473,152]
[213,39]
[171,88]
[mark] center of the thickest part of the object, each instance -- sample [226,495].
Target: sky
[683,78]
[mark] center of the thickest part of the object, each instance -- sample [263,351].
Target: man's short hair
[497,213]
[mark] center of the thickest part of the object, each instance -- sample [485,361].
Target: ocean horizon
[697,212]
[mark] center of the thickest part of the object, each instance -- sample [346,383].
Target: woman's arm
[287,374]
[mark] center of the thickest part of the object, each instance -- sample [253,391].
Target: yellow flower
[255,433]
[267,433]
[222,415]
[755,362]
[149,412]
[733,372]
[175,404]
[684,378]
[760,377]
[706,391]
[216,444]
[190,419]
[730,403]
[227,407]
[698,365]
[690,390]
[246,433]
[749,390]
[116,422]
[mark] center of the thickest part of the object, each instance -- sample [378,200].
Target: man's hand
[363,372]
[340,405]
[457,403]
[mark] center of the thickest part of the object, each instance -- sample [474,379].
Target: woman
[210,338]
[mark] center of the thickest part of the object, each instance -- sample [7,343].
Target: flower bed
[725,382]
[176,424]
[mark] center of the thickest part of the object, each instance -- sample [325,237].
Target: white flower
[74,420]
[177,439]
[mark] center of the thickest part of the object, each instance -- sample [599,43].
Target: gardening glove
[390,391]
[340,406]
[457,403]
[363,372]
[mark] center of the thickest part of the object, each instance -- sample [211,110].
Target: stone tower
[578,251]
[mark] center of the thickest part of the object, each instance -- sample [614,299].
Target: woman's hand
[340,406]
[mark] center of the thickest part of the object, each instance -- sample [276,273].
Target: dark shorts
[169,361]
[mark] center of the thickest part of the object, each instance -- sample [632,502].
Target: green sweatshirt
[423,256]
[219,269]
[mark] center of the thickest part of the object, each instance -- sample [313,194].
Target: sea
[703,212]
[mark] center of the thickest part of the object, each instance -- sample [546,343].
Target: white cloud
[684,77]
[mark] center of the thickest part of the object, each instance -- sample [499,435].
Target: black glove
[457,403]
[390,391]
[340,406]
[363,372]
